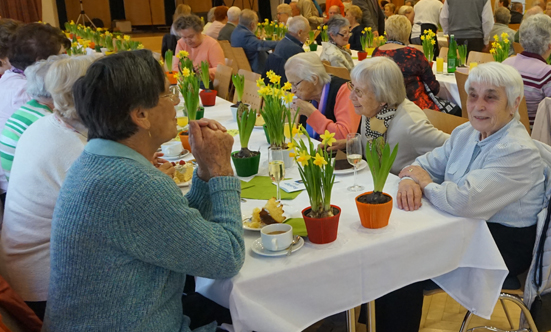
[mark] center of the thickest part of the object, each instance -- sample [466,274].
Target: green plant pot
[266,133]
[200,113]
[246,166]
[313,47]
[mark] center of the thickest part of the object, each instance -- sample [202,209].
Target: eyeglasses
[356,91]
[344,34]
[295,85]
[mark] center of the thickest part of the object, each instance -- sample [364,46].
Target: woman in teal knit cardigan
[123,235]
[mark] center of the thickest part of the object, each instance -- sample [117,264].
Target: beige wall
[49,12]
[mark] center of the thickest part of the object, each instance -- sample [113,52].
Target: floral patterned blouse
[416,71]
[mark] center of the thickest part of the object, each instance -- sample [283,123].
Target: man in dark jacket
[233,21]
[297,34]
[516,13]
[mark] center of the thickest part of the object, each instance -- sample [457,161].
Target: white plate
[248,219]
[178,157]
[259,249]
[184,184]
[361,165]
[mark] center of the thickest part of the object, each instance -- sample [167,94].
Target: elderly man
[502,17]
[233,21]
[516,13]
[295,37]
[427,12]
[333,10]
[255,49]
[331,3]
[284,11]
[469,21]
[294,9]
[373,15]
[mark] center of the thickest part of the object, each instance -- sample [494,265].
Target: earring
[149,133]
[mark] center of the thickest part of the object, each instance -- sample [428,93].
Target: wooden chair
[228,54]
[479,57]
[461,78]
[419,47]
[337,71]
[517,47]
[443,121]
[222,81]
[241,58]
[514,26]
[444,53]
[250,90]
[523,112]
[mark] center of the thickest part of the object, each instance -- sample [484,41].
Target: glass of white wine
[354,156]
[276,167]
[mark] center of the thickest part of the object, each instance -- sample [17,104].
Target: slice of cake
[184,172]
[341,162]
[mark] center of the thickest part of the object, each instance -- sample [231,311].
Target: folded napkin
[261,187]
[299,227]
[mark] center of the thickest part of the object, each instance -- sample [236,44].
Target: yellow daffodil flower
[304,157]
[296,131]
[126,37]
[496,37]
[328,138]
[381,38]
[433,42]
[183,54]
[140,47]
[319,160]
[178,76]
[422,37]
[292,154]
[289,97]
[287,86]
[506,41]
[369,29]
[161,62]
[325,27]
[292,145]
[365,29]
[260,82]
[275,79]
[492,51]
[186,72]
[319,28]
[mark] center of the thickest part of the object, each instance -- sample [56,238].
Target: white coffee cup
[172,149]
[276,237]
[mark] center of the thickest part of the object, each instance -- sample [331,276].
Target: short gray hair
[35,75]
[306,66]
[384,77]
[233,13]
[535,33]
[398,28]
[405,10]
[210,15]
[498,75]
[60,80]
[285,8]
[336,23]
[297,23]
[188,22]
[247,17]
[502,15]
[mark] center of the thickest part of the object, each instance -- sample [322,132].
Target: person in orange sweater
[200,47]
[330,3]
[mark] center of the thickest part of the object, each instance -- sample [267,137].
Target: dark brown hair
[7,29]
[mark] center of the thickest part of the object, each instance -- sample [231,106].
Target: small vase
[362,55]
[208,97]
[322,230]
[184,138]
[369,50]
[313,47]
[246,166]
[374,215]
[170,75]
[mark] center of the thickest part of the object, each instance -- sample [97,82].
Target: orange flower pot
[374,215]
[184,138]
[322,230]
[171,78]
[362,55]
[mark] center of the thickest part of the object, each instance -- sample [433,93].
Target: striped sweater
[536,74]
[16,125]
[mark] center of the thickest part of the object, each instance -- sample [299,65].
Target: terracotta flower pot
[374,215]
[313,47]
[208,97]
[322,230]
[171,78]
[184,138]
[246,166]
[362,55]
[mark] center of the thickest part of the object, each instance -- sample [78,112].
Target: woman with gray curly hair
[535,38]
[333,51]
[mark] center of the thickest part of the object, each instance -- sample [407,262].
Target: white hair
[336,23]
[384,77]
[306,66]
[210,15]
[535,33]
[233,14]
[35,75]
[297,23]
[498,75]
[60,79]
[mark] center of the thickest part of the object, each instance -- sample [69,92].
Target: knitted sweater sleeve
[167,232]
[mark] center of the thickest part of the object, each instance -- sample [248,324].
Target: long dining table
[289,293]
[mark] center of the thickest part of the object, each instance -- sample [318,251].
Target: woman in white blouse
[334,51]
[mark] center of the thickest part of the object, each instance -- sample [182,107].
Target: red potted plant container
[322,230]
[208,97]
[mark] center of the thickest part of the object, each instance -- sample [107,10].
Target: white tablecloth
[448,85]
[290,293]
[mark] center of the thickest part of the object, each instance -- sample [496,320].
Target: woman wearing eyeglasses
[322,100]
[378,94]
[334,50]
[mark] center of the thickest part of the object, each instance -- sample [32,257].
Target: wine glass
[354,156]
[276,167]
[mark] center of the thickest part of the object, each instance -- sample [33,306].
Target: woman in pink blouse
[323,101]
[200,47]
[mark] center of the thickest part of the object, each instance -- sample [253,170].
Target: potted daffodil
[246,161]
[375,206]
[208,96]
[366,39]
[188,84]
[316,169]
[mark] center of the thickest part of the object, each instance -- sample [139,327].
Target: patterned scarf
[378,125]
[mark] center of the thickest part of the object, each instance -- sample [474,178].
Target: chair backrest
[419,47]
[517,47]
[241,58]
[443,121]
[444,53]
[250,90]
[514,26]
[228,54]
[222,81]
[542,124]
[479,57]
[337,71]
[523,112]
[461,78]
[325,62]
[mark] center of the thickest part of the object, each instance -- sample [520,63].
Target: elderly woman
[220,20]
[408,12]
[30,43]
[170,40]
[334,50]
[489,169]
[354,16]
[535,38]
[415,67]
[199,46]
[322,100]
[389,10]
[44,154]
[379,95]
[124,237]
[7,29]
[39,106]
[210,18]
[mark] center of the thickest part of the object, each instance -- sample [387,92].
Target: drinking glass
[354,156]
[276,167]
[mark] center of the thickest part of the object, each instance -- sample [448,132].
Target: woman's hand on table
[157,160]
[211,149]
[418,174]
[409,195]
[302,107]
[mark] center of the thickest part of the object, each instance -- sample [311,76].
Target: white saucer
[259,249]
[361,165]
[184,184]
[178,157]
[259,228]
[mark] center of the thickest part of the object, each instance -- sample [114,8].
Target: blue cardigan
[124,238]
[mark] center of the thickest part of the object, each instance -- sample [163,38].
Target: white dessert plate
[259,249]
[361,165]
[184,184]
[178,157]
